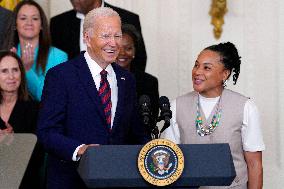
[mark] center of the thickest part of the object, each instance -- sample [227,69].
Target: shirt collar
[80,16]
[96,69]
[206,99]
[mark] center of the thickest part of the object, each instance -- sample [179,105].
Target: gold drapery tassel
[217,12]
[9,4]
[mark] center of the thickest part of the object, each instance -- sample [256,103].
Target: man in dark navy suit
[88,101]
[65,29]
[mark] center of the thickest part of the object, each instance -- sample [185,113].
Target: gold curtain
[9,4]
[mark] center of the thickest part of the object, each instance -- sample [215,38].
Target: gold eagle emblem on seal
[160,162]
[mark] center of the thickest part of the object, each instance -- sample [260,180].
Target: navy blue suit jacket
[71,114]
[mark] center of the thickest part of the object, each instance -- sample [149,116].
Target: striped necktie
[105,94]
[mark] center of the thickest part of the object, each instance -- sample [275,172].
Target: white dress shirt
[95,70]
[111,77]
[251,130]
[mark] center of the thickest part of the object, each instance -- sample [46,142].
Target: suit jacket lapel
[86,78]
[89,84]
[121,79]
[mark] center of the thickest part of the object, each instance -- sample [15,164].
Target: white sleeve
[251,129]
[75,157]
[172,132]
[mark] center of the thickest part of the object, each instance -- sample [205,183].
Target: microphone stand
[155,132]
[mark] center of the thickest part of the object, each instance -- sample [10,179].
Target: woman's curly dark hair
[229,57]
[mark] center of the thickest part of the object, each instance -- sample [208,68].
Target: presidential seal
[160,162]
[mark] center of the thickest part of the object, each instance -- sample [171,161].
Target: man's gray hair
[93,15]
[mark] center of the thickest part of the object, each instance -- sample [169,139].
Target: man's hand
[82,150]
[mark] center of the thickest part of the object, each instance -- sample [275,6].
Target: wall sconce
[217,12]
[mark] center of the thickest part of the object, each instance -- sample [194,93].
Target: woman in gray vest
[213,114]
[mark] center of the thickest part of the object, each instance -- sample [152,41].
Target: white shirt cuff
[75,157]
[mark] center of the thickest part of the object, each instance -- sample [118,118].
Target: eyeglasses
[108,37]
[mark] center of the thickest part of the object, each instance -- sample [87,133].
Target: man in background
[5,16]
[88,101]
[66,29]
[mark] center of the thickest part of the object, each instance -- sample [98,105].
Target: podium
[116,166]
[15,150]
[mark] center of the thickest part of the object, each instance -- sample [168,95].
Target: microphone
[145,104]
[166,113]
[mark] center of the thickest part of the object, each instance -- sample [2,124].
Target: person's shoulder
[150,77]
[140,75]
[61,68]
[118,68]
[190,94]
[121,11]
[57,52]
[5,11]
[65,15]
[70,65]
[122,72]
[55,57]
[229,92]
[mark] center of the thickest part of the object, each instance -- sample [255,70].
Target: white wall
[176,31]
[59,6]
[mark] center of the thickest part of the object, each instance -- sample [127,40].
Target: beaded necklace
[203,130]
